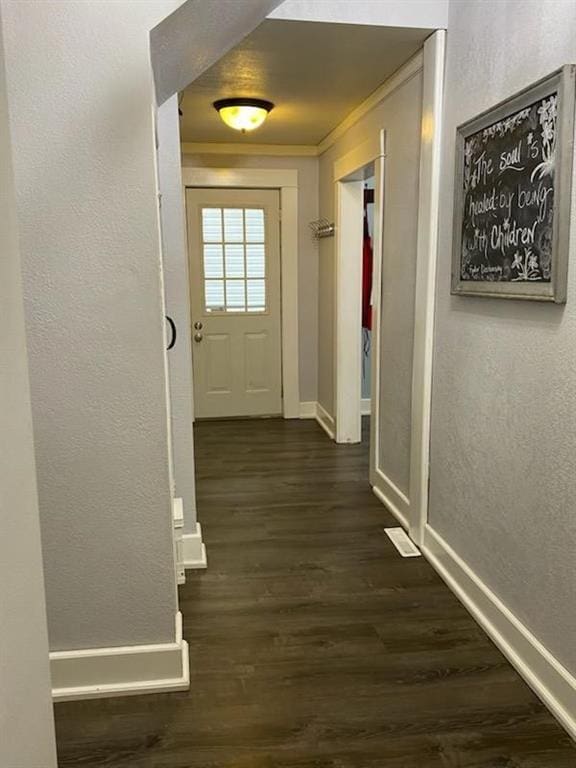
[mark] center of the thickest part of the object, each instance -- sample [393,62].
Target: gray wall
[399,114]
[80,92]
[504,399]
[307,168]
[26,723]
[177,295]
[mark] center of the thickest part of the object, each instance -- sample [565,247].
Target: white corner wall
[504,393]
[26,721]
[80,95]
[177,302]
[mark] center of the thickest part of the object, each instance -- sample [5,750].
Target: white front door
[234,250]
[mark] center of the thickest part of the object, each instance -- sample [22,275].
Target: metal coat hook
[322,228]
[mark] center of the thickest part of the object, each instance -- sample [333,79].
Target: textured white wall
[80,94]
[426,14]
[26,723]
[307,168]
[177,295]
[400,115]
[504,397]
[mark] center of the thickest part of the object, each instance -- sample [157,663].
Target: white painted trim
[358,157]
[287,182]
[391,496]
[378,249]
[349,172]
[348,357]
[428,212]
[193,550]
[308,409]
[551,682]
[121,671]
[407,71]
[258,178]
[289,268]
[277,150]
[325,420]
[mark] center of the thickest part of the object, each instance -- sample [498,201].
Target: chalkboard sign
[513,195]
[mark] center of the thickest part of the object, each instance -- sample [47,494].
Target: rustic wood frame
[564,82]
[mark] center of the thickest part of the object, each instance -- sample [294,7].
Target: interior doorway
[234,252]
[283,184]
[361,168]
[367,296]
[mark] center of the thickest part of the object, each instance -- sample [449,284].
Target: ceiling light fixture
[243,114]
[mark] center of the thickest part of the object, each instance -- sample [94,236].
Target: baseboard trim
[549,680]
[193,550]
[121,671]
[366,406]
[326,421]
[392,498]
[308,409]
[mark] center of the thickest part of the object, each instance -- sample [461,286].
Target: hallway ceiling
[315,73]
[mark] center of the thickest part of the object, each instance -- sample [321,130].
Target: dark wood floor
[312,643]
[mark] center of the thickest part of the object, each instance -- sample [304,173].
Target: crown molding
[402,75]
[207,148]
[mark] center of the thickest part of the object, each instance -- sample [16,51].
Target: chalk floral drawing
[502,127]
[547,115]
[527,266]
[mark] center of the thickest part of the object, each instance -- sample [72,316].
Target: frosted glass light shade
[243,114]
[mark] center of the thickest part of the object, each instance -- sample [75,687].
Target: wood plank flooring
[312,643]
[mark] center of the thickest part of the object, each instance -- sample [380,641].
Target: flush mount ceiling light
[243,114]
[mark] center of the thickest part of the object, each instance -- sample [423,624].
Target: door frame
[349,174]
[286,182]
[412,511]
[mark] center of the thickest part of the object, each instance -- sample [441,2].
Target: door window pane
[256,295]
[213,263]
[234,260]
[212,225]
[234,257]
[235,295]
[255,260]
[254,225]
[233,225]
[214,293]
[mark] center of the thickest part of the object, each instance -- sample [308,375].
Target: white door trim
[286,181]
[425,292]
[349,172]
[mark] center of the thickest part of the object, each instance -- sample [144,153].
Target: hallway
[312,643]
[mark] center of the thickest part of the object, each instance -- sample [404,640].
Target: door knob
[198,325]
[198,337]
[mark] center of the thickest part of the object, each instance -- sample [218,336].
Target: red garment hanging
[366,277]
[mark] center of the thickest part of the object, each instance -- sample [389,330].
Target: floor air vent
[402,542]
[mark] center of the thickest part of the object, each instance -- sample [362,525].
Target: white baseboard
[366,406]
[551,682]
[121,671]
[326,421]
[308,409]
[392,498]
[193,550]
